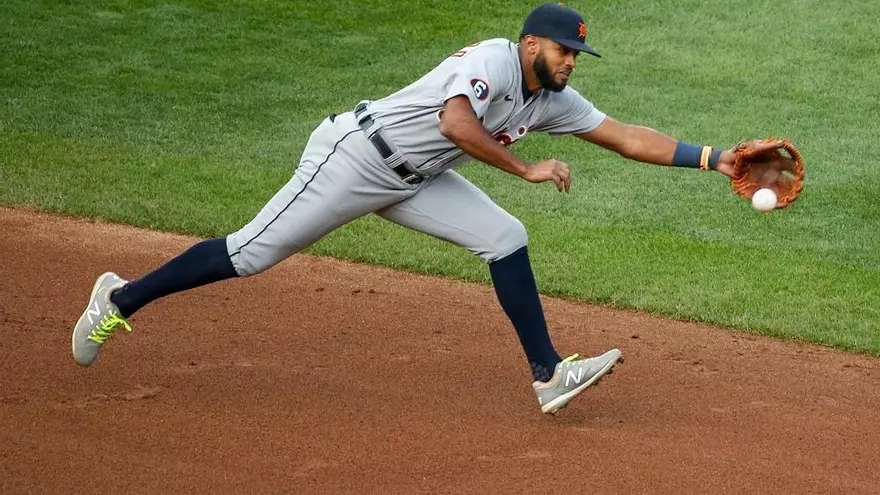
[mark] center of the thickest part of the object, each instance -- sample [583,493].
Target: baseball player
[396,156]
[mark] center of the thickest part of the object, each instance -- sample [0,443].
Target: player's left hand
[725,162]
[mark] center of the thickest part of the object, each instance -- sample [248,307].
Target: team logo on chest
[481,88]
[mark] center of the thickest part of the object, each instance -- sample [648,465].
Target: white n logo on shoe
[93,310]
[570,375]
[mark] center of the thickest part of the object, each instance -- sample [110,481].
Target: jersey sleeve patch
[481,88]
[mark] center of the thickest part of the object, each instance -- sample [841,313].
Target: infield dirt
[321,376]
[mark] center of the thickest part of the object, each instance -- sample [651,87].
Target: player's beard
[545,77]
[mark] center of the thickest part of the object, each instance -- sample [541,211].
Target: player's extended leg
[451,208]
[340,177]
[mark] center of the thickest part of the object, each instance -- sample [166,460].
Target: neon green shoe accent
[107,326]
[571,358]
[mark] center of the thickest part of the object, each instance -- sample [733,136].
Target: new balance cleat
[99,321]
[571,377]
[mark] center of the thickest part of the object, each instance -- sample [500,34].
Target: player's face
[553,65]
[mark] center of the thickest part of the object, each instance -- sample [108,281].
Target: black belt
[382,146]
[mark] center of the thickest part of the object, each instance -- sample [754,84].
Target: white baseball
[764,200]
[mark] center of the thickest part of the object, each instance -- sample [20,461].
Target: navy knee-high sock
[204,263]
[518,294]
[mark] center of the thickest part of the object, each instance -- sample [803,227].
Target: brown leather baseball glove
[771,163]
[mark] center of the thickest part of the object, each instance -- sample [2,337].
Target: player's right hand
[554,170]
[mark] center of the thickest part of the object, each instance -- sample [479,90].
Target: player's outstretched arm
[648,145]
[459,124]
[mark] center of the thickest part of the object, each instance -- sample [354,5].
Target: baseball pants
[342,177]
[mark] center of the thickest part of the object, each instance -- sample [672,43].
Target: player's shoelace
[107,327]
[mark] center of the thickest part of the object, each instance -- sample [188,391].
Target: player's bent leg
[451,208]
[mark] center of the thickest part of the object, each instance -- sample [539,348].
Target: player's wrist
[524,169]
[689,155]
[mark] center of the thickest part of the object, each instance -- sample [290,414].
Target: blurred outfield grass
[187,116]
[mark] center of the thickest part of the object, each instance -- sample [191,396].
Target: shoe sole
[88,305]
[560,402]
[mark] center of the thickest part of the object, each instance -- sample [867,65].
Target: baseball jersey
[489,73]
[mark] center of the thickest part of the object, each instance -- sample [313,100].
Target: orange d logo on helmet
[582,30]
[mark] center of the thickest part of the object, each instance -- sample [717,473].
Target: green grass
[188,115]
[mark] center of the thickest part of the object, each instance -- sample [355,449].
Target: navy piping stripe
[297,194]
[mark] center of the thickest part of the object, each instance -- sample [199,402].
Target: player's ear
[533,44]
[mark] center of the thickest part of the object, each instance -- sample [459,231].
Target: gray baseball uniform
[389,157]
